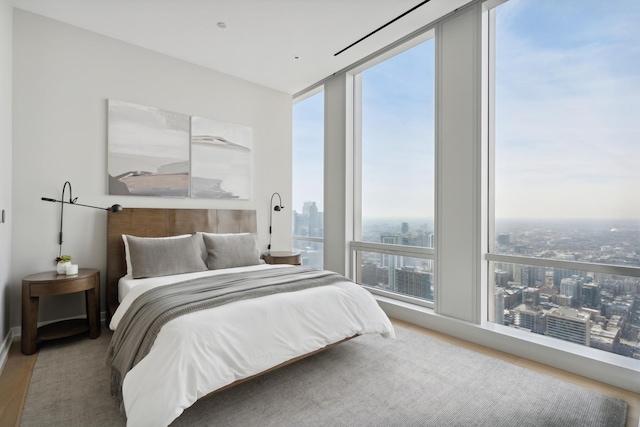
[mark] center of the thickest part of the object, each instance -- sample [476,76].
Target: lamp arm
[72,201]
[113,208]
[64,187]
[89,206]
[279,201]
[269,245]
[271,209]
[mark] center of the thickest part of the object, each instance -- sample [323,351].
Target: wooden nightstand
[52,283]
[282,258]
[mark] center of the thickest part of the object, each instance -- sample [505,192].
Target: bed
[210,349]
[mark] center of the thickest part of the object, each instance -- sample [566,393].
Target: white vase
[61,267]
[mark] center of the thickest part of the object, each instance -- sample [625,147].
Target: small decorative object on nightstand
[86,280]
[62,262]
[282,258]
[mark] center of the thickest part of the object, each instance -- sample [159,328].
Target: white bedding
[198,353]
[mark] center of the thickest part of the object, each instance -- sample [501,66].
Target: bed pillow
[127,255]
[231,250]
[153,257]
[203,247]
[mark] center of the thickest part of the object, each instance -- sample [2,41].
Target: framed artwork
[220,160]
[148,151]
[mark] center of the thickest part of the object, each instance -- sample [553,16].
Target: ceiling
[261,38]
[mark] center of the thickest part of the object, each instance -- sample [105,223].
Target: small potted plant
[61,263]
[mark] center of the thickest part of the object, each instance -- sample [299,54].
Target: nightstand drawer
[68,287]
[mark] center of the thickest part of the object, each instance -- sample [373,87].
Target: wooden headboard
[154,222]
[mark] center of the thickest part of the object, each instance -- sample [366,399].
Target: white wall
[457,166]
[6,25]
[338,158]
[63,77]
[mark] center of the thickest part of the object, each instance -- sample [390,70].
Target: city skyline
[430,220]
[593,309]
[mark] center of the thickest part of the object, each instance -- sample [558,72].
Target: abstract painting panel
[220,160]
[148,151]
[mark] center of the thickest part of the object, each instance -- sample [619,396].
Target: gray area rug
[414,380]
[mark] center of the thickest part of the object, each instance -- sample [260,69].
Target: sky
[397,135]
[308,152]
[567,118]
[568,109]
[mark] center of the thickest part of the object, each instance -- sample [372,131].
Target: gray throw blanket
[138,328]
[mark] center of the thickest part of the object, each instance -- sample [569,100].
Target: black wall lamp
[72,201]
[276,208]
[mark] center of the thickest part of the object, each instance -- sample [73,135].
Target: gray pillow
[162,257]
[231,250]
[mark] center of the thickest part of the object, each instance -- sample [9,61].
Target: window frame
[489,135]
[357,245]
[297,99]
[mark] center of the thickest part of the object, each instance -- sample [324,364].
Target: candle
[72,269]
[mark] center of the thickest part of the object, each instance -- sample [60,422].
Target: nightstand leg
[93,312]
[29,323]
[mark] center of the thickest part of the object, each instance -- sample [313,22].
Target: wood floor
[14,383]
[16,375]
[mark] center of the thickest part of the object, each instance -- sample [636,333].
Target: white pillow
[127,255]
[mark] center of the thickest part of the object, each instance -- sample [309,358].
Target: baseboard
[4,350]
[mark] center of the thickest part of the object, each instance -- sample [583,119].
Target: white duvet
[198,353]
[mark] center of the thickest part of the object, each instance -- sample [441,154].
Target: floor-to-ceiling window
[308,178]
[564,247]
[394,194]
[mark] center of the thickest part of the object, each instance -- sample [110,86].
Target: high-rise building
[502,278]
[512,297]
[410,281]
[591,295]
[561,273]
[498,306]
[387,260]
[527,276]
[514,270]
[369,273]
[572,287]
[310,222]
[314,219]
[562,300]
[531,296]
[569,324]
[604,338]
[405,228]
[527,317]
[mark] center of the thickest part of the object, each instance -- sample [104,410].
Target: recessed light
[221,25]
